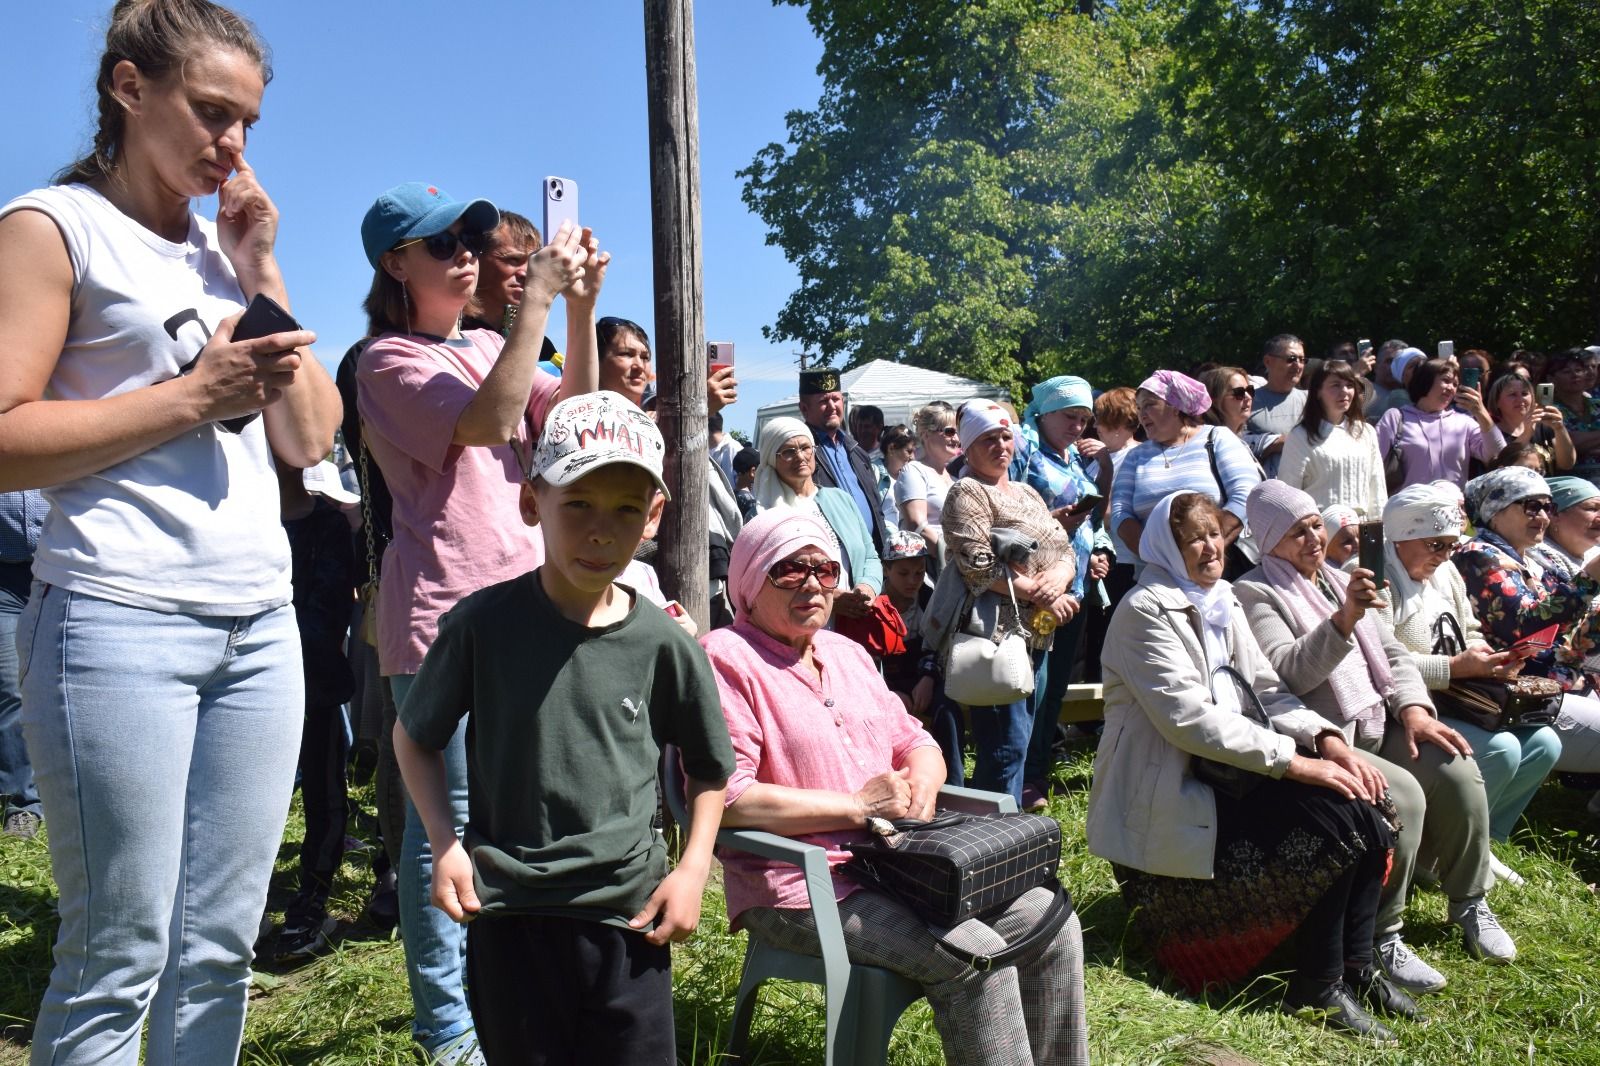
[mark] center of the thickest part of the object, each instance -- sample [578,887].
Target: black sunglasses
[442,246]
[1535,508]
[792,573]
[1242,391]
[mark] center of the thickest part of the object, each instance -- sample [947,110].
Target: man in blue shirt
[21,515]
[841,464]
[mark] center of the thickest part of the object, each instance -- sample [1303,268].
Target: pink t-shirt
[790,729]
[457,524]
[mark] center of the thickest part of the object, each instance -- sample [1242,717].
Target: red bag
[881,630]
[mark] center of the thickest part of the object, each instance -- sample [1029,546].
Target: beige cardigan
[1147,810]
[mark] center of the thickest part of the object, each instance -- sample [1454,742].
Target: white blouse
[1341,468]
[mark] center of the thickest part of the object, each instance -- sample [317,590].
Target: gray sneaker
[1405,968]
[24,825]
[1481,930]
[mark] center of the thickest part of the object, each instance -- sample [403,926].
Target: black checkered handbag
[959,866]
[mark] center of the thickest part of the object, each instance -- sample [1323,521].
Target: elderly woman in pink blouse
[821,744]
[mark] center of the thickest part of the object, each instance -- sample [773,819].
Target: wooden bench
[1083,703]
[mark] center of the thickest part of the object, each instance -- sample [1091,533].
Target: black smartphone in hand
[1370,551]
[262,318]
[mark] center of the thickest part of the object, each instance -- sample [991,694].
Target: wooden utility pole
[680,309]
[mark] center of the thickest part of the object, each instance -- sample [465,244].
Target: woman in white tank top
[161,676]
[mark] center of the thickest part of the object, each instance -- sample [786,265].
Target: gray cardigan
[1305,660]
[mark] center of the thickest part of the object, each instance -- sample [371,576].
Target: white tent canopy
[896,388]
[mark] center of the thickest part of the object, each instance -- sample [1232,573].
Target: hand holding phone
[1545,392]
[1534,643]
[1447,349]
[1369,537]
[560,205]
[263,318]
[719,355]
[1471,376]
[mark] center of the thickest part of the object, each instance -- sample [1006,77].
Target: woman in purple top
[1437,440]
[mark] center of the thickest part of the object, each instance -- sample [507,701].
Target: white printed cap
[584,433]
[324,480]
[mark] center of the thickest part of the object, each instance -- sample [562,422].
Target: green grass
[352,1008]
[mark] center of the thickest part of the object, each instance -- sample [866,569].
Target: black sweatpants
[551,991]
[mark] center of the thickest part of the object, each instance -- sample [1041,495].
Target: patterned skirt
[1278,850]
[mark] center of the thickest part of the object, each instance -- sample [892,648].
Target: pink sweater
[789,729]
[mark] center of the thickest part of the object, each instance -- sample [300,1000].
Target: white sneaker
[1481,931]
[1502,872]
[1404,968]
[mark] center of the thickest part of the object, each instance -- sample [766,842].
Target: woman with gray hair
[1422,526]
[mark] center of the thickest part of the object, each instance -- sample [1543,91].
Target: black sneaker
[1373,988]
[299,942]
[1336,1008]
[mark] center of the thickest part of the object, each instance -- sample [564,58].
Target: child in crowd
[570,687]
[914,674]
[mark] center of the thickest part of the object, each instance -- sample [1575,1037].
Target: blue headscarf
[1065,390]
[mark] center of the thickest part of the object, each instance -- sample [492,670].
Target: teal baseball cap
[417,209]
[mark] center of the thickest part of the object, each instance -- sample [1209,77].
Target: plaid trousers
[1027,1014]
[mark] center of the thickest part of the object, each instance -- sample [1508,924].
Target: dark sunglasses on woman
[1242,391]
[1535,508]
[792,573]
[442,246]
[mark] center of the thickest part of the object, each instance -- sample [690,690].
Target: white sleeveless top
[190,526]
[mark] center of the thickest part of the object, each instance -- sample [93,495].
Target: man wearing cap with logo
[574,685]
[841,464]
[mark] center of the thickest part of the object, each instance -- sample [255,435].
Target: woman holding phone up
[445,413]
[161,694]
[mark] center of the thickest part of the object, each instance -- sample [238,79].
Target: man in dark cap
[841,463]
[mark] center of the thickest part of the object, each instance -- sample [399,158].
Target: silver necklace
[1169,450]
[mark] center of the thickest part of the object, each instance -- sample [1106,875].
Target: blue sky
[482,98]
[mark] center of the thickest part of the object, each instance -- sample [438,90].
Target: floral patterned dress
[1514,600]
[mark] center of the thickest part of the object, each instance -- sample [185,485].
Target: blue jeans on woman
[164,746]
[17,790]
[1000,736]
[1514,763]
[436,945]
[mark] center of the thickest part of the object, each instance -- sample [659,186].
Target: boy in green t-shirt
[570,685]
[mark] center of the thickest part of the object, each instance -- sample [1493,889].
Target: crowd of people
[192,594]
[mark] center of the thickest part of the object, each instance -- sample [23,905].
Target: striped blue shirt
[1145,478]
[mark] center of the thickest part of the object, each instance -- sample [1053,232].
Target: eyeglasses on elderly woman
[792,573]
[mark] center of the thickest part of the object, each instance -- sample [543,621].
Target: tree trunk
[680,315]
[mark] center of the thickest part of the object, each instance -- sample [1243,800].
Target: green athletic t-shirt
[564,729]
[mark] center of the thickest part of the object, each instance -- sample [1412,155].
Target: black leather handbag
[1223,777]
[959,866]
[1490,703]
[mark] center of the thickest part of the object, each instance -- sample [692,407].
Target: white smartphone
[1447,349]
[560,204]
[719,355]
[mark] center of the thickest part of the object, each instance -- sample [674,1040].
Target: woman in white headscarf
[784,480]
[1320,629]
[1189,856]
[1422,526]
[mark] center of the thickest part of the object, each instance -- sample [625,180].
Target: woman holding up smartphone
[445,413]
[161,697]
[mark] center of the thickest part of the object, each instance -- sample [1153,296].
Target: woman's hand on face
[886,796]
[247,224]
[235,378]
[1335,749]
[1422,727]
[1325,773]
[1480,661]
[553,268]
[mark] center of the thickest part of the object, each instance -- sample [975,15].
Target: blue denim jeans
[1514,763]
[1049,689]
[436,946]
[1000,737]
[17,790]
[165,749]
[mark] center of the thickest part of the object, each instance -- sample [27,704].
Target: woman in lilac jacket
[1437,440]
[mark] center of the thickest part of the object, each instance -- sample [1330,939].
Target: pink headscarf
[1179,390]
[765,539]
[1361,683]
